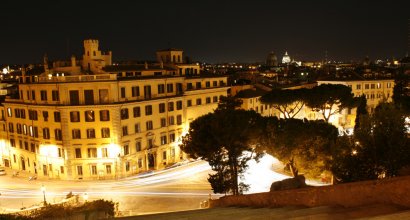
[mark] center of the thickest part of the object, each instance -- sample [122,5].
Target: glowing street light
[43,189]
[85,197]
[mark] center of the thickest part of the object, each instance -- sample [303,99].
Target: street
[178,188]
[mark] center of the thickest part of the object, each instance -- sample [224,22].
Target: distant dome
[286,58]
[272,60]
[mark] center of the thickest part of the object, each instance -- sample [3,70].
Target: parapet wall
[388,191]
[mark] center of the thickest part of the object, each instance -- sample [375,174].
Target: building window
[89,97]
[104,115]
[163,139]
[378,85]
[124,130]
[179,119]
[11,127]
[126,149]
[170,88]
[198,101]
[147,92]
[57,117]
[74,97]
[149,125]
[108,169]
[170,106]
[61,169]
[80,170]
[78,153]
[104,152]
[161,107]
[135,91]
[22,113]
[372,86]
[164,155]
[33,95]
[75,116]
[89,116]
[161,88]
[43,95]
[208,100]
[127,166]
[124,113]
[92,152]
[139,163]
[189,86]
[31,131]
[137,111]
[171,120]
[45,115]
[171,137]
[55,96]
[148,110]
[24,129]
[12,142]
[215,99]
[32,115]
[105,132]
[137,127]
[9,113]
[90,133]
[19,129]
[58,135]
[198,85]
[189,103]
[123,92]
[358,86]
[366,86]
[46,133]
[103,96]
[179,105]
[207,84]
[388,85]
[138,146]
[163,122]
[214,83]
[150,143]
[76,133]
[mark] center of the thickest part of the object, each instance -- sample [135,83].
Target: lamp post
[85,197]
[43,189]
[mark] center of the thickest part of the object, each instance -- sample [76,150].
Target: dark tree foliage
[221,138]
[286,101]
[379,148]
[361,110]
[308,144]
[401,92]
[329,99]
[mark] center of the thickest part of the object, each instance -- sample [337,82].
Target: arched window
[173,59]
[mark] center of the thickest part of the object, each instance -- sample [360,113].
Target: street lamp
[43,189]
[85,197]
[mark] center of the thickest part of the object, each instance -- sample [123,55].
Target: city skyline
[209,31]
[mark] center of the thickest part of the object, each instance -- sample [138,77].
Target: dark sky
[208,30]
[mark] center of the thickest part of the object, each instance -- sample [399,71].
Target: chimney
[146,65]
[161,64]
[23,74]
[73,62]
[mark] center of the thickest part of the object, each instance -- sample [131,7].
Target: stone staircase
[248,213]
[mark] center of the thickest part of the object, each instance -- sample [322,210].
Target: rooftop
[250,93]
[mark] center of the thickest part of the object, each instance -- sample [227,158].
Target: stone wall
[387,191]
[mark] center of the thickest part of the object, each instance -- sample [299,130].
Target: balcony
[79,78]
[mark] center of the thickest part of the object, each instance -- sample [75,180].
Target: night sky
[208,30]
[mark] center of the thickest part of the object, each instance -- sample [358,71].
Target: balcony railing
[79,78]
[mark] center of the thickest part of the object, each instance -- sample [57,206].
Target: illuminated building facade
[117,122]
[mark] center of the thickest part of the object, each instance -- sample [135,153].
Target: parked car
[2,171]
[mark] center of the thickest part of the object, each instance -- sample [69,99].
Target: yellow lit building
[114,122]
